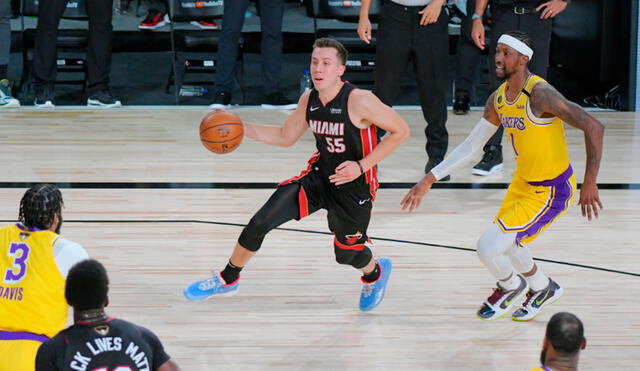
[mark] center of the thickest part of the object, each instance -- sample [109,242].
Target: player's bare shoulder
[304,99]
[359,97]
[544,98]
[362,107]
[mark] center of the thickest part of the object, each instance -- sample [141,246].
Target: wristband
[360,166]
[476,16]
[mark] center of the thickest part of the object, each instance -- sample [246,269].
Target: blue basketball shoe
[215,285]
[373,292]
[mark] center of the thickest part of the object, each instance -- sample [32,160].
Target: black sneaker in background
[491,162]
[461,105]
[103,99]
[44,98]
[221,100]
[277,100]
[433,162]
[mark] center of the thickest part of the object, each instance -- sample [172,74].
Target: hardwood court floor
[297,308]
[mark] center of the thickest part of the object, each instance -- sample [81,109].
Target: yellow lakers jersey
[538,143]
[31,287]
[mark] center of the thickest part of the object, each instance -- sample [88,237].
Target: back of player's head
[87,285]
[326,42]
[522,37]
[39,205]
[565,332]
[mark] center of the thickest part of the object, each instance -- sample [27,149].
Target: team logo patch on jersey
[499,98]
[353,238]
[335,111]
[102,330]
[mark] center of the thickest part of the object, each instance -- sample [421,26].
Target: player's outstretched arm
[545,99]
[366,109]
[285,135]
[463,154]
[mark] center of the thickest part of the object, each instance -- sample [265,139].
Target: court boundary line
[270,185]
[406,242]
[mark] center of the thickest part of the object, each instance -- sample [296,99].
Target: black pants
[468,55]
[348,215]
[538,30]
[98,50]
[271,12]
[401,39]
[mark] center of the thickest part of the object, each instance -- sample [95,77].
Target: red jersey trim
[312,160]
[358,247]
[369,138]
[303,203]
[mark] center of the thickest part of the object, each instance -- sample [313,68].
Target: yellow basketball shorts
[530,207]
[18,355]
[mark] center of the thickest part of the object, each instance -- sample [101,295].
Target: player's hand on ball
[413,198]
[345,173]
[589,200]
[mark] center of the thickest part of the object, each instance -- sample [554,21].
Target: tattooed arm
[547,101]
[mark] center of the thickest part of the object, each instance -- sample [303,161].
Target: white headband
[518,45]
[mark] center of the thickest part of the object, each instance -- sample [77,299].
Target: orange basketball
[221,131]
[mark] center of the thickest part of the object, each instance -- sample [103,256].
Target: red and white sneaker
[153,20]
[206,25]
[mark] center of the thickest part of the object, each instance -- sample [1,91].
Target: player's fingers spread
[595,210]
[405,199]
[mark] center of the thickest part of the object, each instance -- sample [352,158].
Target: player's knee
[354,258]
[259,223]
[485,247]
[253,234]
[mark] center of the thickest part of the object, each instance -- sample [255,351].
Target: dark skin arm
[546,102]
[169,366]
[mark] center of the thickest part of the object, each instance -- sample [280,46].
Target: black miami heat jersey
[337,139]
[106,345]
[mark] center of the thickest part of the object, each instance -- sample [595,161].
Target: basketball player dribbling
[340,177]
[543,185]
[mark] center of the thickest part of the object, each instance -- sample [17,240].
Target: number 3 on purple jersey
[19,251]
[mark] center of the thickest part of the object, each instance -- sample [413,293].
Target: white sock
[538,281]
[511,283]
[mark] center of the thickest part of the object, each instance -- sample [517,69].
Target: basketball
[221,131]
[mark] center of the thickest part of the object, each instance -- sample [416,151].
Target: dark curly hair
[87,285]
[39,205]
